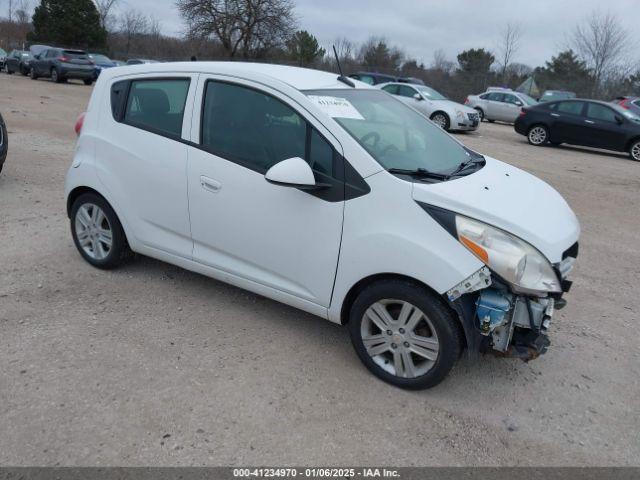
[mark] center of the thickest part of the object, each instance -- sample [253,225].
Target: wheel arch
[442,112]
[630,142]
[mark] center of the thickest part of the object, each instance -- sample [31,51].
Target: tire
[90,228]
[490,120]
[442,120]
[55,76]
[555,144]
[24,71]
[634,150]
[33,74]
[88,83]
[9,72]
[4,142]
[538,135]
[435,326]
[481,113]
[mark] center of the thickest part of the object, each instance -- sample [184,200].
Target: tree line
[597,61]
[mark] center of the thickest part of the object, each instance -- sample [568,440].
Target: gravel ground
[151,364]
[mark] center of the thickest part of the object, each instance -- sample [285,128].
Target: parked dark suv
[62,65]
[18,61]
[582,122]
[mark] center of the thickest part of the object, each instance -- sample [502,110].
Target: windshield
[100,59]
[394,134]
[528,100]
[430,93]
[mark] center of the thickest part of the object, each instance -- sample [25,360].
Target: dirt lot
[151,364]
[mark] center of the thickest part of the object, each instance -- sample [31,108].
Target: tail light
[466,101]
[624,103]
[64,59]
[523,112]
[80,123]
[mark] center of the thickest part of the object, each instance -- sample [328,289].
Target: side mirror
[519,104]
[417,96]
[293,172]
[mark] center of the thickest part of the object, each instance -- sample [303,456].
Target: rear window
[75,54]
[573,108]
[157,105]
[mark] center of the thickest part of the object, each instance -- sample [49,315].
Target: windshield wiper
[472,162]
[419,173]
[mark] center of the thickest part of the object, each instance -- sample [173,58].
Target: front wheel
[441,120]
[404,334]
[634,151]
[33,74]
[97,232]
[538,135]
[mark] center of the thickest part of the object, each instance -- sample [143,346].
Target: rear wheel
[634,151]
[97,232]
[33,74]
[403,334]
[538,135]
[55,76]
[24,71]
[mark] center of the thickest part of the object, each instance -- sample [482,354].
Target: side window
[636,103]
[51,53]
[485,96]
[367,79]
[157,105]
[495,97]
[405,91]
[392,89]
[511,99]
[257,130]
[600,112]
[572,108]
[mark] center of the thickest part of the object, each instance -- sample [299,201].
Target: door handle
[590,122]
[555,115]
[210,184]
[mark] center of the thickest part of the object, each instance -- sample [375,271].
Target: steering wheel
[371,135]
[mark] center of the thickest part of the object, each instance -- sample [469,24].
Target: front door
[570,124]
[602,127]
[275,236]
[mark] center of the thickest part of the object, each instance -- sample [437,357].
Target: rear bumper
[520,127]
[81,74]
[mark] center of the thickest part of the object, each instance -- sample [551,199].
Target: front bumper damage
[500,321]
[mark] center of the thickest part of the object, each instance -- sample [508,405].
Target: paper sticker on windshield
[336,107]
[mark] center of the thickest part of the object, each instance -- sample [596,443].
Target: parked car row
[60,64]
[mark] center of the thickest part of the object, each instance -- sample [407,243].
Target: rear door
[142,144]
[273,238]
[493,102]
[602,127]
[570,126]
[511,106]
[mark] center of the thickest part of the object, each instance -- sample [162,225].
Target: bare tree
[104,9]
[602,44]
[132,25]
[508,46]
[244,27]
[441,63]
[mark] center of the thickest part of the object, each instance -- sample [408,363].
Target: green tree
[303,48]
[476,61]
[71,23]
[375,54]
[565,71]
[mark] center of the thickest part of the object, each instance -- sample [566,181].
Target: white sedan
[445,113]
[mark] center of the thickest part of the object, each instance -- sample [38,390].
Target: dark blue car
[102,62]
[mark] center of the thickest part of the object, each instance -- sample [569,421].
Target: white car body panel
[281,242]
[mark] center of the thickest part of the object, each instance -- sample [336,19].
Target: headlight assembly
[511,258]
[514,260]
[459,114]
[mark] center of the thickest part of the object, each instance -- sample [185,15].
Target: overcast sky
[421,27]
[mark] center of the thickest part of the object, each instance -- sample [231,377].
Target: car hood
[511,199]
[452,106]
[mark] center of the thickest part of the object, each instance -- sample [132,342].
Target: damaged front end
[499,320]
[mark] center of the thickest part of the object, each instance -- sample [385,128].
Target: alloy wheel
[399,338]
[440,120]
[93,231]
[537,135]
[635,151]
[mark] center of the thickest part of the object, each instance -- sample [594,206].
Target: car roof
[296,77]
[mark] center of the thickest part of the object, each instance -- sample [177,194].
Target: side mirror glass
[293,172]
[417,96]
[519,104]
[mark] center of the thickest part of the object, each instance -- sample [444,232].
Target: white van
[329,195]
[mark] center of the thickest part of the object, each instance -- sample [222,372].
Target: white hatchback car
[328,195]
